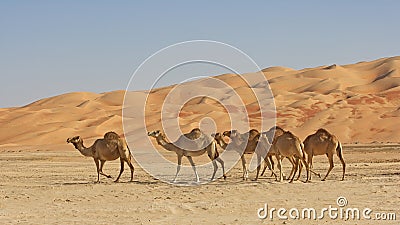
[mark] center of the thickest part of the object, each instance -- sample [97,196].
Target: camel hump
[194,134]
[322,131]
[111,136]
[323,134]
[253,133]
[111,139]
[197,140]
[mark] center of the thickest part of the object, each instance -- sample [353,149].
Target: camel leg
[194,168]
[300,169]
[343,165]
[215,169]
[101,169]
[132,169]
[295,167]
[331,165]
[121,170]
[272,166]
[265,167]
[267,163]
[178,168]
[309,162]
[278,158]
[292,161]
[98,170]
[303,161]
[258,166]
[223,166]
[245,173]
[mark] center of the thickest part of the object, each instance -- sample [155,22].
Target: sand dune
[358,102]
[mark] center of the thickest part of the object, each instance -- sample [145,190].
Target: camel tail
[302,151]
[130,153]
[339,150]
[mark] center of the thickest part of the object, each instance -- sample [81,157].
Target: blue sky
[53,47]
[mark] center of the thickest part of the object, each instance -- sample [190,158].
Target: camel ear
[68,140]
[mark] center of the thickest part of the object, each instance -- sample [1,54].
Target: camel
[111,147]
[277,131]
[288,145]
[324,143]
[211,150]
[246,141]
[237,145]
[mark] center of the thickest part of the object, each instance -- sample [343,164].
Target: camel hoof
[115,181]
[323,179]
[224,177]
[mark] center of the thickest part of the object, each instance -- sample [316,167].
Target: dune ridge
[358,102]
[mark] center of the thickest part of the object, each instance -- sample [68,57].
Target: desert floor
[48,186]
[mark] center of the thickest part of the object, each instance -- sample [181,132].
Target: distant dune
[360,103]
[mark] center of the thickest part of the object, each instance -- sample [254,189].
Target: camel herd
[276,142]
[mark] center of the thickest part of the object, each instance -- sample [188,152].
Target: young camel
[324,143]
[211,150]
[290,146]
[111,147]
[246,141]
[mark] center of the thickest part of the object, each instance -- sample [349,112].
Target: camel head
[74,140]
[227,133]
[154,134]
[217,136]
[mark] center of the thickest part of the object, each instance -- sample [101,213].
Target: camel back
[194,140]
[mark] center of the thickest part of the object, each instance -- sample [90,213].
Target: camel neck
[83,150]
[166,145]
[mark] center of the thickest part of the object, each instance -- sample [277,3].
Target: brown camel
[242,143]
[276,131]
[324,143]
[111,147]
[211,150]
[288,145]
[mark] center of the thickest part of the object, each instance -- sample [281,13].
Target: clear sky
[53,47]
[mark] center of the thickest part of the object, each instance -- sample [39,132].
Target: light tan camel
[111,147]
[324,143]
[242,143]
[288,145]
[211,150]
